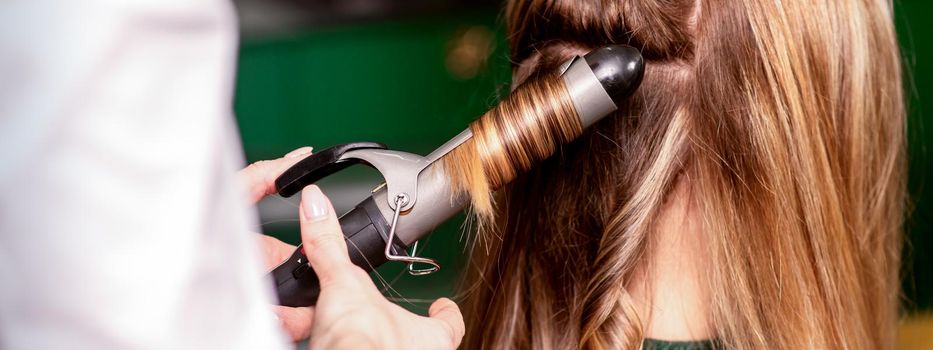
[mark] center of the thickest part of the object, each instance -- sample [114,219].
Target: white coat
[121,225]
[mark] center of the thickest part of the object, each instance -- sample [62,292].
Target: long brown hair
[785,120]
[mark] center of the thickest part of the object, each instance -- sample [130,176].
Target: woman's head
[785,122]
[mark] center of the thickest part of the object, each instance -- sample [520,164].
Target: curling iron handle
[365,230]
[318,166]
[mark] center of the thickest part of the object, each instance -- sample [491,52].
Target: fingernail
[314,202]
[299,152]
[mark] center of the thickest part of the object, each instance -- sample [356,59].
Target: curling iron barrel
[417,196]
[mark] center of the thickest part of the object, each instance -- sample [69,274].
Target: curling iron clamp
[416,196]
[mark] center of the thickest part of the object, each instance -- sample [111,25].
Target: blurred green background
[412,74]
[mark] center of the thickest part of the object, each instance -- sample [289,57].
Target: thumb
[447,313]
[321,237]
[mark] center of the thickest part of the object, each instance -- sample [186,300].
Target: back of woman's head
[783,119]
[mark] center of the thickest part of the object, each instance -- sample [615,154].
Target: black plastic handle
[318,166]
[366,231]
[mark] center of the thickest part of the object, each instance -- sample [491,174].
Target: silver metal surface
[563,67]
[399,169]
[437,205]
[432,188]
[589,98]
[411,260]
[449,145]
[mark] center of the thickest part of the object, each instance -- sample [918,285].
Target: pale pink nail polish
[315,204]
[299,152]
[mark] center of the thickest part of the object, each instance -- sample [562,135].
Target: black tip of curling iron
[619,69]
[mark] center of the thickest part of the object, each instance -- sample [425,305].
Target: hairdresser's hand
[350,312]
[259,177]
[259,180]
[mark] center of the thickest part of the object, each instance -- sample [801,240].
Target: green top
[652,344]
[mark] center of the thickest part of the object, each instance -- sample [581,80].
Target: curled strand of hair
[521,130]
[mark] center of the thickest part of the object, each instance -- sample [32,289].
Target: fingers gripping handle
[366,232]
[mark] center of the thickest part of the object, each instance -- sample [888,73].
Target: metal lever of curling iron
[411,260]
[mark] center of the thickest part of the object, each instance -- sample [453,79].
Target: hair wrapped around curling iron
[521,130]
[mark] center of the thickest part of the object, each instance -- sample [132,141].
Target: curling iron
[416,196]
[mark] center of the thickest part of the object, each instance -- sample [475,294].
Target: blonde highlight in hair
[783,120]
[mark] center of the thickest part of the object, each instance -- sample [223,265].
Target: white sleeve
[121,225]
